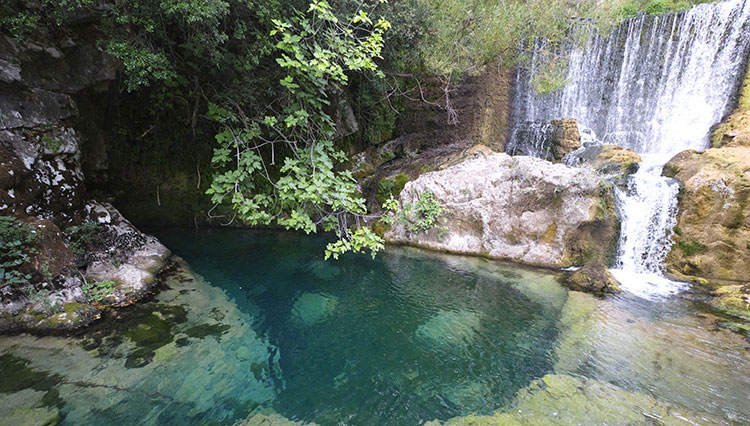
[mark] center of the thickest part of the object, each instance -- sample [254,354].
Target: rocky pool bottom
[259,330]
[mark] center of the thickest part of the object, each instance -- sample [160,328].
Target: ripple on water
[279,336]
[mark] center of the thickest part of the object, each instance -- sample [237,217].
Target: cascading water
[656,85]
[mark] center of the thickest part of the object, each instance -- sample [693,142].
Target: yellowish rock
[712,237]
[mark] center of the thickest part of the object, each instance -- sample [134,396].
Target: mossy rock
[733,300]
[391,187]
[24,416]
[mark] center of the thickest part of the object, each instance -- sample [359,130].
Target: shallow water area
[265,326]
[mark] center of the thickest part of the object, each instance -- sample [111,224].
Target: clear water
[386,341]
[265,326]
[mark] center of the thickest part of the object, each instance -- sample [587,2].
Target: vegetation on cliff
[268,79]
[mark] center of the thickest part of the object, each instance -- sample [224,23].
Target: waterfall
[656,85]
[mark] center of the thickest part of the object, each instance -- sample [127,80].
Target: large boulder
[84,255]
[522,209]
[594,278]
[712,237]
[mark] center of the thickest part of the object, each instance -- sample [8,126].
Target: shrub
[628,11]
[82,236]
[15,240]
[421,216]
[692,248]
[96,291]
[657,7]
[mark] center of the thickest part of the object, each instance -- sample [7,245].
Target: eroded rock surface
[517,208]
[712,237]
[84,254]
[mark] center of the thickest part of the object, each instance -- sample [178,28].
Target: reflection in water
[405,338]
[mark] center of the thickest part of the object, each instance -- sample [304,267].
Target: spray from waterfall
[655,85]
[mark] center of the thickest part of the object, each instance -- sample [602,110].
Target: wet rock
[34,108]
[132,259]
[609,160]
[712,237]
[565,137]
[551,140]
[594,278]
[50,257]
[517,208]
[734,301]
[735,130]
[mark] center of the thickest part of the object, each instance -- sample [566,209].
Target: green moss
[400,182]
[387,156]
[391,187]
[380,228]
[165,353]
[427,168]
[52,144]
[691,248]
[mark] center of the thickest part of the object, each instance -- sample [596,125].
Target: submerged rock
[594,278]
[734,300]
[562,400]
[522,209]
[712,237]
[155,361]
[312,308]
[273,419]
[450,328]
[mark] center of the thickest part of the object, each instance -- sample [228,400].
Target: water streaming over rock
[656,85]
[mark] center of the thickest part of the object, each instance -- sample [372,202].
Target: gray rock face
[42,185]
[522,209]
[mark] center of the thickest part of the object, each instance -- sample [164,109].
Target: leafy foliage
[16,238]
[82,236]
[632,8]
[464,36]
[96,291]
[316,51]
[421,216]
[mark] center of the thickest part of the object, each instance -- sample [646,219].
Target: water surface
[265,326]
